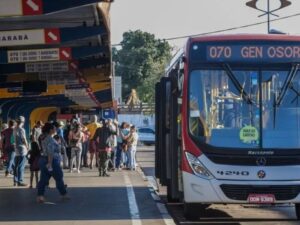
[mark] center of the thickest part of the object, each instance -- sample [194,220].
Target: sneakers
[40,199]
[22,185]
[106,175]
[78,171]
[65,198]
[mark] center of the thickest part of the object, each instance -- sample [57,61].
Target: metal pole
[113,80]
[268,16]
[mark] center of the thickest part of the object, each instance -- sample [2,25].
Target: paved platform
[123,198]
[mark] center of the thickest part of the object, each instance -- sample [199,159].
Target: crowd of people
[55,146]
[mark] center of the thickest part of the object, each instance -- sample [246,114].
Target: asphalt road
[220,214]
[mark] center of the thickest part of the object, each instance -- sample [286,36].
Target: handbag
[124,146]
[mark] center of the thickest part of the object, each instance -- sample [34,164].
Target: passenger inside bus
[231,103]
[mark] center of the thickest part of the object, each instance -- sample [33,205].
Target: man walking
[103,143]
[21,152]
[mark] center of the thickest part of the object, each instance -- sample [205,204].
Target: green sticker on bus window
[249,134]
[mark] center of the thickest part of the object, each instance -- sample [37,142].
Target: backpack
[12,139]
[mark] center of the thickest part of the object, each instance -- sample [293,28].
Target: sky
[173,18]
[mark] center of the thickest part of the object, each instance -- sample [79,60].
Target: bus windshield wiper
[296,92]
[236,83]
[287,84]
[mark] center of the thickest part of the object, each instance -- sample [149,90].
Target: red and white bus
[228,122]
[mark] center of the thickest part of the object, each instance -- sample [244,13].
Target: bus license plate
[261,198]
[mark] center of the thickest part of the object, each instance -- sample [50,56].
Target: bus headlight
[197,167]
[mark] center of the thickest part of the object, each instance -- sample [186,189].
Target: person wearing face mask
[50,164]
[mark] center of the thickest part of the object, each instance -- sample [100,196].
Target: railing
[142,108]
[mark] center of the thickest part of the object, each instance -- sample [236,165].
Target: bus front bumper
[199,190]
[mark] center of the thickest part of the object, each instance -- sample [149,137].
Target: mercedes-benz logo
[261,174]
[261,161]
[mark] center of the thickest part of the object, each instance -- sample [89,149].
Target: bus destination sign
[253,53]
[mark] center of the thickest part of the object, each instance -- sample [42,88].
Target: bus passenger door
[174,145]
[168,146]
[161,157]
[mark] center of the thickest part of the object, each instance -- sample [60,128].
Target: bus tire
[297,209]
[193,211]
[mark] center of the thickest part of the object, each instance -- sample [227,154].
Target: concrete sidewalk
[123,198]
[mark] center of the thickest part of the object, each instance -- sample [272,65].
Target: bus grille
[241,192]
[252,161]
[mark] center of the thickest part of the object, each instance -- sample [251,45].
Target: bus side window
[180,77]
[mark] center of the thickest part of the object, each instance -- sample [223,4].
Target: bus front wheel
[297,208]
[193,211]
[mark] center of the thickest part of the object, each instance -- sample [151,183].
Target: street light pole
[269,11]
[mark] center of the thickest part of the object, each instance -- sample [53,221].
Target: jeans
[65,157]
[129,158]
[85,148]
[45,176]
[76,155]
[19,169]
[132,159]
[118,155]
[11,160]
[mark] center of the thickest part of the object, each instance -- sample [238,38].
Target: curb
[154,189]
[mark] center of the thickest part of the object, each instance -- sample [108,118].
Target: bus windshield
[248,108]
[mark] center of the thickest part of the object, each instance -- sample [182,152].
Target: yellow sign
[248,134]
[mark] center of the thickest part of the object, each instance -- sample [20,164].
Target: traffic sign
[52,36]
[47,54]
[48,36]
[65,54]
[39,55]
[10,8]
[32,7]
[29,37]
[50,66]
[62,66]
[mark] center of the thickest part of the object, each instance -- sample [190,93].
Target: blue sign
[108,114]
[247,53]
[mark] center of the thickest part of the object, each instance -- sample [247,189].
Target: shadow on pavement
[88,203]
[213,216]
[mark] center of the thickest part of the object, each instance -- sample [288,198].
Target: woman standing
[132,145]
[50,164]
[75,142]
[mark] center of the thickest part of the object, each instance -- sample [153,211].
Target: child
[33,160]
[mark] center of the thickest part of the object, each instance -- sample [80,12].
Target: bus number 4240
[231,173]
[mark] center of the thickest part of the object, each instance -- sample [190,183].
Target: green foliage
[140,62]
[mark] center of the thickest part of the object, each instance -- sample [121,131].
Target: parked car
[146,135]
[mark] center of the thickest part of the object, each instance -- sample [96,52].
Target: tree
[140,62]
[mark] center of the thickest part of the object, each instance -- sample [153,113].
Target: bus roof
[232,37]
